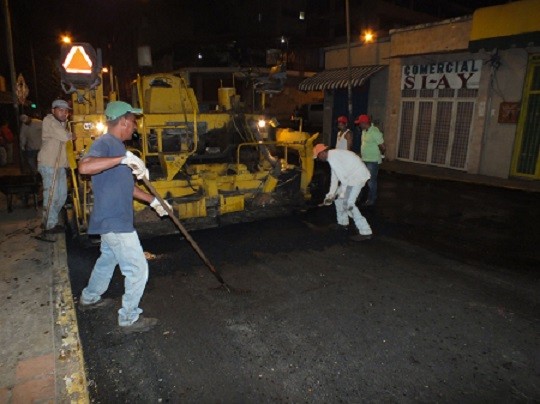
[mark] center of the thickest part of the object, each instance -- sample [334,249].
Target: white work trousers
[346,207]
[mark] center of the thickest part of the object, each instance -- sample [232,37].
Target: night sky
[117,27]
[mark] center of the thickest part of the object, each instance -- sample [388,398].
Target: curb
[71,381]
[516,185]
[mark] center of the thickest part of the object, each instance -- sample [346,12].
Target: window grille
[435,126]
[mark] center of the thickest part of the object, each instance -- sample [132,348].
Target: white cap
[60,104]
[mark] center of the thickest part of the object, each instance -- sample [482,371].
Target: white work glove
[137,165]
[160,210]
[329,200]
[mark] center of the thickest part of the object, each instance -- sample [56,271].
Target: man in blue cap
[112,169]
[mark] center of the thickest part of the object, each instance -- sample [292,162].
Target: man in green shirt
[372,151]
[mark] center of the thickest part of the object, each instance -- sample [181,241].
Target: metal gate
[526,161]
[435,126]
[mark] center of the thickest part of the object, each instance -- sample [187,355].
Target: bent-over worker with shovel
[349,173]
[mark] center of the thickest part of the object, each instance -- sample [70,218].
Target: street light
[66,39]
[369,36]
[284,49]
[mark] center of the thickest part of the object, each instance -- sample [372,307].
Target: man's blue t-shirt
[113,191]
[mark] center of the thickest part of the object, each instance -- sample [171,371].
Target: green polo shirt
[371,139]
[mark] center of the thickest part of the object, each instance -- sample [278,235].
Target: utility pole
[34,74]
[11,59]
[349,79]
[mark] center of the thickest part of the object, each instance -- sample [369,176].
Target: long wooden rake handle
[185,232]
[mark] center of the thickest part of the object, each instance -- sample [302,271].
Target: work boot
[338,227]
[97,305]
[143,324]
[361,237]
[55,230]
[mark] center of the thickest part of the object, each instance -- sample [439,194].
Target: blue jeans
[346,208]
[123,249]
[58,197]
[373,168]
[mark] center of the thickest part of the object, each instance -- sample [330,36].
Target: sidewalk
[40,353]
[439,173]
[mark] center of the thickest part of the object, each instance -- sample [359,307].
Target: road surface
[442,305]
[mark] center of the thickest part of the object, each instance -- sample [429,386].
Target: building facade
[462,93]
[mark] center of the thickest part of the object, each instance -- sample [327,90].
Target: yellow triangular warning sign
[78,61]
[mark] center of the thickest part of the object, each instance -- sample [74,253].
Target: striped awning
[333,79]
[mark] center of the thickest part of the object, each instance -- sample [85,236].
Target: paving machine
[216,167]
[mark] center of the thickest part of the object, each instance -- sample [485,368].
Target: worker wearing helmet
[372,151]
[344,139]
[350,174]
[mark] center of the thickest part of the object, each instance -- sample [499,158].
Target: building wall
[377,53]
[507,85]
[378,89]
[393,99]
[444,37]
[490,144]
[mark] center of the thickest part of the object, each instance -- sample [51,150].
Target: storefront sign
[435,76]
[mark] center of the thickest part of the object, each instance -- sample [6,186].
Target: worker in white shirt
[344,140]
[349,175]
[30,140]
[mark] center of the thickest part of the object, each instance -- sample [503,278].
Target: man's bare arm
[95,165]
[142,196]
